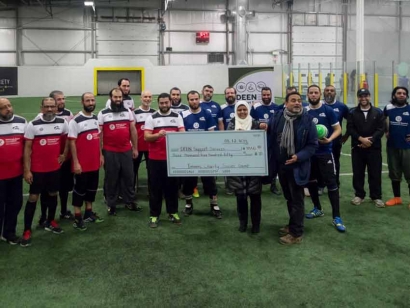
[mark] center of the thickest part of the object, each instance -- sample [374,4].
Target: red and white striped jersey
[12,147]
[140,116]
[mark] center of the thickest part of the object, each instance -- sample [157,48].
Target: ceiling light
[89,3]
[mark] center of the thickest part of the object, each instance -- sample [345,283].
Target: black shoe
[67,215]
[79,225]
[242,227]
[274,189]
[93,217]
[12,240]
[112,211]
[188,210]
[26,239]
[255,229]
[53,227]
[132,206]
[216,212]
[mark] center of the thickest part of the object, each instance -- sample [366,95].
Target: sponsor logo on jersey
[315,120]
[336,109]
[398,119]
[1,142]
[142,127]
[405,113]
[266,116]
[213,106]
[43,142]
[201,119]
[196,125]
[322,115]
[112,126]
[89,136]
[173,121]
[232,115]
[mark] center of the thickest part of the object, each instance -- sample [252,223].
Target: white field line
[345,154]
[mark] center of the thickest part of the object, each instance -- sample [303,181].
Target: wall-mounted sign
[8,81]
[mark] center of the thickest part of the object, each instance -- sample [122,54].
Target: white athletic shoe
[356,201]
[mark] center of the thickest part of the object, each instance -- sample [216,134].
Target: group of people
[58,152]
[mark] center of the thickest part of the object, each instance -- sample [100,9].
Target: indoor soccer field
[206,262]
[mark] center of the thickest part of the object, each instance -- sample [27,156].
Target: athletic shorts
[323,168]
[85,187]
[45,182]
[66,176]
[398,161]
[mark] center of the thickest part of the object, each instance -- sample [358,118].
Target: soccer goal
[106,78]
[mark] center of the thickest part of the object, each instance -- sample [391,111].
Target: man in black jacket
[365,124]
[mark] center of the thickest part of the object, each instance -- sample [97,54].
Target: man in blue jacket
[293,141]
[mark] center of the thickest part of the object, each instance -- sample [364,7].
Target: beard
[230,100]
[49,116]
[329,99]
[207,98]
[176,102]
[194,107]
[89,108]
[164,109]
[6,117]
[116,107]
[399,102]
[266,101]
[314,102]
[59,109]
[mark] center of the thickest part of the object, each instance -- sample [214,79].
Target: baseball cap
[363,92]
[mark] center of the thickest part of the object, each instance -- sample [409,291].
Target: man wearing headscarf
[293,140]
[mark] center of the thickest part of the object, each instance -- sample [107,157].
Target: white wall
[37,81]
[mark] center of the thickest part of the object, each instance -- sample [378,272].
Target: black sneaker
[274,189]
[188,210]
[53,227]
[26,239]
[79,225]
[93,217]
[132,206]
[112,211]
[215,211]
[12,240]
[41,223]
[174,218]
[67,215]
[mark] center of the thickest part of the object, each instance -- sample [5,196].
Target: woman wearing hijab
[244,186]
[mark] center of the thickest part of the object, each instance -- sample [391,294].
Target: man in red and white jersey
[141,114]
[128,101]
[12,128]
[156,127]
[118,133]
[84,138]
[42,162]
[66,176]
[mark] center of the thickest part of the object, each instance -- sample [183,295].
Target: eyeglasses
[49,107]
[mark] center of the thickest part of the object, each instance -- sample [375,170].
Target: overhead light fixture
[89,3]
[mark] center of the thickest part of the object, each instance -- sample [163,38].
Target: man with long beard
[199,119]
[118,133]
[157,126]
[84,138]
[341,110]
[45,136]
[12,128]
[398,141]
[322,163]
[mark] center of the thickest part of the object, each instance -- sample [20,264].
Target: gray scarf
[288,135]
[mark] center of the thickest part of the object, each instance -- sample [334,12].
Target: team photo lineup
[61,155]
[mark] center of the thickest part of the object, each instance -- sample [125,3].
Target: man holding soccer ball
[322,163]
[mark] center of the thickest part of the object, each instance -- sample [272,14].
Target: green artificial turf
[206,262]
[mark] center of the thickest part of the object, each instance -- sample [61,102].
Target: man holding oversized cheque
[157,126]
[293,140]
[199,119]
